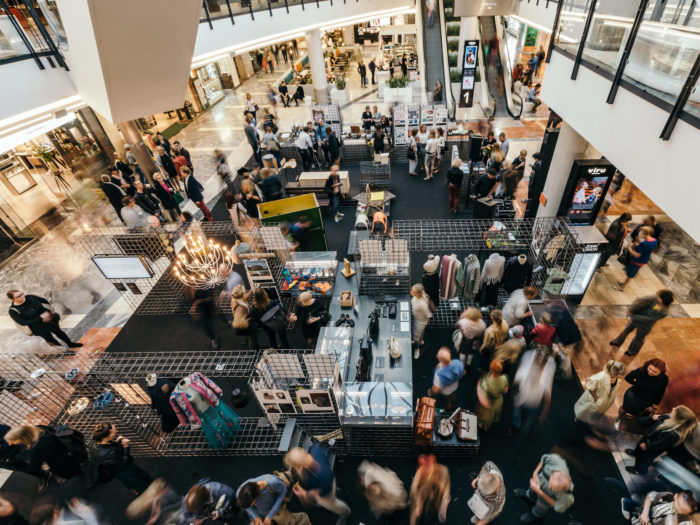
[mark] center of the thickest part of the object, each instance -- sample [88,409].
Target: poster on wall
[585,191]
[441,115]
[530,40]
[400,135]
[315,401]
[400,116]
[413,115]
[276,401]
[427,115]
[469,66]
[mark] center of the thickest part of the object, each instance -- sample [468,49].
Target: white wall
[24,86]
[627,133]
[251,32]
[538,15]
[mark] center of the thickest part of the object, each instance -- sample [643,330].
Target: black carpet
[596,500]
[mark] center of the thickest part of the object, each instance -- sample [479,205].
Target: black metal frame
[627,51]
[269,7]
[47,38]
[230,13]
[20,32]
[557,16]
[206,12]
[681,101]
[584,37]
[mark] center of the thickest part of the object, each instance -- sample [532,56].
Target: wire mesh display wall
[163,292]
[355,151]
[549,242]
[62,390]
[384,266]
[375,173]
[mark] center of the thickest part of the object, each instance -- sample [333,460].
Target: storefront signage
[530,40]
[585,191]
[470,62]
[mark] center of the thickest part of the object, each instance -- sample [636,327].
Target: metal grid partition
[549,242]
[163,293]
[355,151]
[375,173]
[384,266]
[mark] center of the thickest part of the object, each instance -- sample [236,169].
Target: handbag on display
[394,347]
[465,425]
[362,372]
[445,428]
[373,327]
[425,419]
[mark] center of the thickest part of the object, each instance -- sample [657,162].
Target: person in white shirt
[517,307]
[132,214]
[306,148]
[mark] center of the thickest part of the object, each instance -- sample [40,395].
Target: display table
[317,179]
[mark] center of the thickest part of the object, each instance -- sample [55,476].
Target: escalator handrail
[507,71]
[483,71]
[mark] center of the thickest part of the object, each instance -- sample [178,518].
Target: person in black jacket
[649,383]
[114,194]
[180,150]
[284,94]
[615,235]
[33,311]
[44,446]
[362,69]
[643,314]
[664,432]
[124,168]
[333,146]
[193,189]
[310,316]
[159,389]
[261,306]
[271,186]
[454,183]
[114,461]
[298,94]
[378,140]
[145,200]
[166,195]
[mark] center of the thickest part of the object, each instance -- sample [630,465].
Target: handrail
[483,72]
[506,60]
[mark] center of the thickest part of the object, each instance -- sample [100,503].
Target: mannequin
[431,279]
[472,274]
[159,389]
[517,273]
[195,401]
[491,276]
[451,274]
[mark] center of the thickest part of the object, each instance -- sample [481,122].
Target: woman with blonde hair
[251,199]
[664,432]
[45,446]
[243,321]
[494,335]
[472,326]
[601,389]
[430,490]
[420,307]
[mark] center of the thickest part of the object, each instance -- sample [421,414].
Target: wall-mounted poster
[441,115]
[427,115]
[258,270]
[400,116]
[400,135]
[413,115]
[315,400]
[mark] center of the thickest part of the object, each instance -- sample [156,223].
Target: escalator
[432,47]
[498,67]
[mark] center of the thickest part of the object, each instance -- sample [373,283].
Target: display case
[14,174]
[310,271]
[377,403]
[336,341]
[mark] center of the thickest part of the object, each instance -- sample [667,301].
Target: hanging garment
[472,273]
[448,274]
[160,402]
[553,246]
[431,283]
[556,277]
[492,271]
[489,294]
[198,404]
[515,274]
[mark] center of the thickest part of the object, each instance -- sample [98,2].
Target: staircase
[432,46]
[487,25]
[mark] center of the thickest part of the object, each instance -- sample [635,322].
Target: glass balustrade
[571,23]
[218,8]
[609,32]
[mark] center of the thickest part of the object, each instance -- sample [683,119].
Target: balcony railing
[650,47]
[29,30]
[218,9]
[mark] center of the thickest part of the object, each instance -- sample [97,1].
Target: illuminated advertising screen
[470,61]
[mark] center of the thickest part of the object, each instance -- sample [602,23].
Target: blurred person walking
[36,313]
[494,336]
[643,314]
[263,499]
[209,499]
[272,317]
[615,235]
[550,488]
[194,192]
[490,494]
[420,308]
[534,380]
[472,325]
[639,255]
[601,389]
[490,390]
[317,483]
[383,489]
[430,491]
[113,459]
[446,377]
[455,175]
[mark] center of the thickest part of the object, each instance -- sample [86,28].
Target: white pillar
[349,35]
[318,65]
[570,146]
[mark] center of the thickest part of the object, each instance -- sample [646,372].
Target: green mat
[174,129]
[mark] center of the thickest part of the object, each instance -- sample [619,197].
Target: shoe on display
[340,320]
[625,513]
[349,321]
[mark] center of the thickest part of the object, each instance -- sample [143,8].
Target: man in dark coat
[615,235]
[194,192]
[113,193]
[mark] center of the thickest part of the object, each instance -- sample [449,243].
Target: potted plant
[48,156]
[398,89]
[339,94]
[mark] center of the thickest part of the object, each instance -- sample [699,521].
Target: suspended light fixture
[203,265]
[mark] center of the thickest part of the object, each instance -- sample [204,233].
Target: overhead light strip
[53,106]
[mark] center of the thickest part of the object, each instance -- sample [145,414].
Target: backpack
[73,441]
[274,319]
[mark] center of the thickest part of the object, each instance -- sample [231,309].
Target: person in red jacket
[543,333]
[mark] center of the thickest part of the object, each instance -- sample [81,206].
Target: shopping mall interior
[349,261]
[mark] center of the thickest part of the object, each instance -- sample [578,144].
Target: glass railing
[220,8]
[609,32]
[692,107]
[29,30]
[571,23]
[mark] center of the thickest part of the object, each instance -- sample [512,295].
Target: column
[570,146]
[317,64]
[133,137]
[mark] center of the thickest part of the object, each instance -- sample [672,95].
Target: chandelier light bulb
[203,265]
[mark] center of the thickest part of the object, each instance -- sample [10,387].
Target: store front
[43,165]
[525,42]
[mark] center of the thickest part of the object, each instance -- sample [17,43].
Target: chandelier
[203,265]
